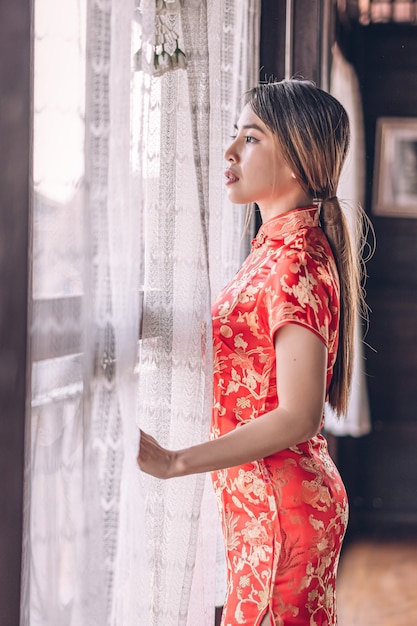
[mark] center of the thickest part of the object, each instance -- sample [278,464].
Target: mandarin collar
[282,225]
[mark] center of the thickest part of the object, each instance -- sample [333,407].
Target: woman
[283,336]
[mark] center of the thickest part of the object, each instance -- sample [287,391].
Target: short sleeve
[302,289]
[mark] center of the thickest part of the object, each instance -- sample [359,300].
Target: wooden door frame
[296,39]
[15,175]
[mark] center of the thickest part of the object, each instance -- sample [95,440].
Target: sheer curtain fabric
[131,236]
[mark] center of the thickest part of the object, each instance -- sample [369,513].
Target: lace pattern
[141,208]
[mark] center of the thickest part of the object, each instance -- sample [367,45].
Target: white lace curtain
[128,207]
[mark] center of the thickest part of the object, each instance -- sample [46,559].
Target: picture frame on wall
[395,167]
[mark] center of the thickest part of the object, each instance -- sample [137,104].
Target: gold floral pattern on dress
[283,517]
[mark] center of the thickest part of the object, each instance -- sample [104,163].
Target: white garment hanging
[344,86]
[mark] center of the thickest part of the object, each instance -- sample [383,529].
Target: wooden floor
[377,584]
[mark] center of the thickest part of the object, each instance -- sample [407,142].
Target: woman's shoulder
[309,245]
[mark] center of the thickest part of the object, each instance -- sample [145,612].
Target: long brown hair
[312,129]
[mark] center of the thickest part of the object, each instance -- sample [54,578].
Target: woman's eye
[247,138]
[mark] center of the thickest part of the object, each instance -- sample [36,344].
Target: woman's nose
[230,154]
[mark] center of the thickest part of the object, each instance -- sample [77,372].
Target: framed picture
[395,169]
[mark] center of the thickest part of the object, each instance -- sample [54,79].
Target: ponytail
[312,130]
[349,265]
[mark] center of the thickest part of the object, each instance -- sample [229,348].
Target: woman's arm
[301,375]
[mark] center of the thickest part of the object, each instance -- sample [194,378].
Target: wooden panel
[14,208]
[307,39]
[380,473]
[392,367]
[395,254]
[308,31]
[272,45]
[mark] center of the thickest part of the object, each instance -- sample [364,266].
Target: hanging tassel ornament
[167,54]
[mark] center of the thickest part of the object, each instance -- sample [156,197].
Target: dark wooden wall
[381,469]
[311,26]
[14,210]
[272,44]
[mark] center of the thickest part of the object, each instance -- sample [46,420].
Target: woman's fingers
[152,458]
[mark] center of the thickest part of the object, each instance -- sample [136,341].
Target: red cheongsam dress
[284,516]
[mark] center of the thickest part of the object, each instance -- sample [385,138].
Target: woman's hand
[154,459]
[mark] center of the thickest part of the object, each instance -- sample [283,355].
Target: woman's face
[256,169]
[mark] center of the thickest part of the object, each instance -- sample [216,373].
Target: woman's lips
[231,178]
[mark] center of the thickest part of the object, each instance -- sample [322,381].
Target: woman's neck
[284,205]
